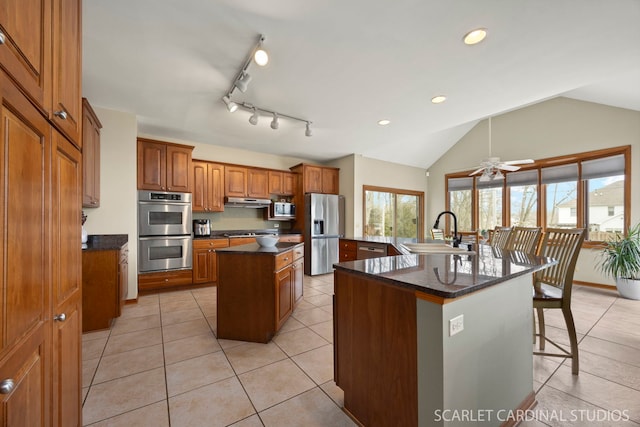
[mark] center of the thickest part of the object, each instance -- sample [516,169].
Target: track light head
[307,132]
[231,106]
[261,57]
[243,81]
[274,122]
[254,117]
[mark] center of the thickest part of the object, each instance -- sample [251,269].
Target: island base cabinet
[284,295]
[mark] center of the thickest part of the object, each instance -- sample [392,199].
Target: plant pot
[628,288]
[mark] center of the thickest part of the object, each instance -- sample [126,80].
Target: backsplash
[240,219]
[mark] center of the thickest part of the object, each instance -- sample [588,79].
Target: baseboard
[528,403]
[594,285]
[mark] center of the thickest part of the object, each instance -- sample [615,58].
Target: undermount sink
[435,248]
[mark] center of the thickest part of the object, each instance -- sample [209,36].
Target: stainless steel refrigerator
[323,227]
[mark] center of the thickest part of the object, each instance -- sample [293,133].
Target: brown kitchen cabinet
[104,286]
[90,156]
[205,259]
[257,290]
[208,187]
[164,280]
[348,250]
[235,181]
[317,179]
[258,183]
[281,183]
[164,166]
[297,238]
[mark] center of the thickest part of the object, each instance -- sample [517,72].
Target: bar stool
[524,239]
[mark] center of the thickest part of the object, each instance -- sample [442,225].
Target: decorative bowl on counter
[267,241]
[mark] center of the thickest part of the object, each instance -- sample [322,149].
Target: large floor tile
[122,395]
[96,335]
[252,421]
[219,404]
[89,367]
[313,316]
[156,415]
[185,329]
[181,315]
[299,341]
[249,356]
[319,300]
[92,349]
[197,372]
[334,392]
[187,348]
[275,383]
[123,325]
[317,363]
[310,409]
[611,350]
[610,369]
[175,305]
[624,337]
[324,329]
[290,325]
[119,365]
[141,310]
[133,340]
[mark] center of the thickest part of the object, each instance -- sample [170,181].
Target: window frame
[395,191]
[541,189]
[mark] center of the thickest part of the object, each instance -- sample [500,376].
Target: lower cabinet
[284,295]
[104,286]
[205,259]
[164,280]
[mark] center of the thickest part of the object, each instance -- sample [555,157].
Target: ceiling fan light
[254,117]
[486,176]
[231,106]
[498,174]
[243,82]
[274,122]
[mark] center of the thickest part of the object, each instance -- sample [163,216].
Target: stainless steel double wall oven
[164,231]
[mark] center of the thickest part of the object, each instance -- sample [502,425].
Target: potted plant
[621,260]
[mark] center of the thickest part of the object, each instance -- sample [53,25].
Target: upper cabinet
[242,181]
[90,156]
[208,187]
[318,179]
[281,183]
[25,47]
[164,166]
[67,68]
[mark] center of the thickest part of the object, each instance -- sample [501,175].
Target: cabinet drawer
[165,279]
[237,241]
[294,238]
[283,259]
[210,243]
[348,245]
[348,256]
[298,252]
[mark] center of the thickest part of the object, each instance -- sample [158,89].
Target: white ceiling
[346,64]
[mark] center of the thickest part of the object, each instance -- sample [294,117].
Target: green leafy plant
[621,255]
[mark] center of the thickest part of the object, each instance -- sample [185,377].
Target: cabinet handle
[7,386]
[166,280]
[60,317]
[2,38]
[162,188]
[62,114]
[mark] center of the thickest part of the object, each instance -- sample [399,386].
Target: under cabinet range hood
[246,202]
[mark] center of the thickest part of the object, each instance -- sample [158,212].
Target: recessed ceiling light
[475,36]
[438,99]
[384,122]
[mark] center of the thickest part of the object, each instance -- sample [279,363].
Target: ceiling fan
[492,167]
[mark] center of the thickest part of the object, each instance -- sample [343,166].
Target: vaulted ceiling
[344,65]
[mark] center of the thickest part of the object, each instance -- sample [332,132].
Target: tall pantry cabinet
[40,220]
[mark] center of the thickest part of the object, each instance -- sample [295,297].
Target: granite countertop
[449,276]
[105,242]
[223,234]
[254,248]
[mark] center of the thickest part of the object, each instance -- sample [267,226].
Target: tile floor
[161,365]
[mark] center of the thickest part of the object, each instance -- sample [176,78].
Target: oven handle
[182,237]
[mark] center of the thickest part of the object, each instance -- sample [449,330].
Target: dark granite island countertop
[441,332]
[254,248]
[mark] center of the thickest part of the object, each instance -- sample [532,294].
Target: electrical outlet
[276,225]
[456,325]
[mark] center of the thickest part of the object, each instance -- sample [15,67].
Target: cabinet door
[25,141]
[235,181]
[215,195]
[90,157]
[330,184]
[199,200]
[26,52]
[67,68]
[288,184]
[298,276]
[178,169]
[258,183]
[152,164]
[201,266]
[67,282]
[312,179]
[275,182]
[284,295]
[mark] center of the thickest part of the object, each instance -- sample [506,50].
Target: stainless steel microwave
[283,210]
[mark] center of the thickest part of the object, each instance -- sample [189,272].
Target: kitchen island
[258,288]
[426,339]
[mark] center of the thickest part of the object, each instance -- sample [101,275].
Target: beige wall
[552,128]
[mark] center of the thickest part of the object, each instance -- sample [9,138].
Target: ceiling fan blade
[518,162]
[507,167]
[476,171]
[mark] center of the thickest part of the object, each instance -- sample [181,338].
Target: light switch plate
[456,325]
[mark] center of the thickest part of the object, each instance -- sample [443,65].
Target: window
[589,190]
[393,213]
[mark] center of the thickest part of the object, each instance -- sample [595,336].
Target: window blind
[563,173]
[522,178]
[457,184]
[606,166]
[494,183]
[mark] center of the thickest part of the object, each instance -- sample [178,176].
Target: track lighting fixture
[231,106]
[254,117]
[241,82]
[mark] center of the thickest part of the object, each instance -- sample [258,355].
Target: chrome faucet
[456,239]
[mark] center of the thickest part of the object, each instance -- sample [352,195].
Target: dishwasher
[371,250]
